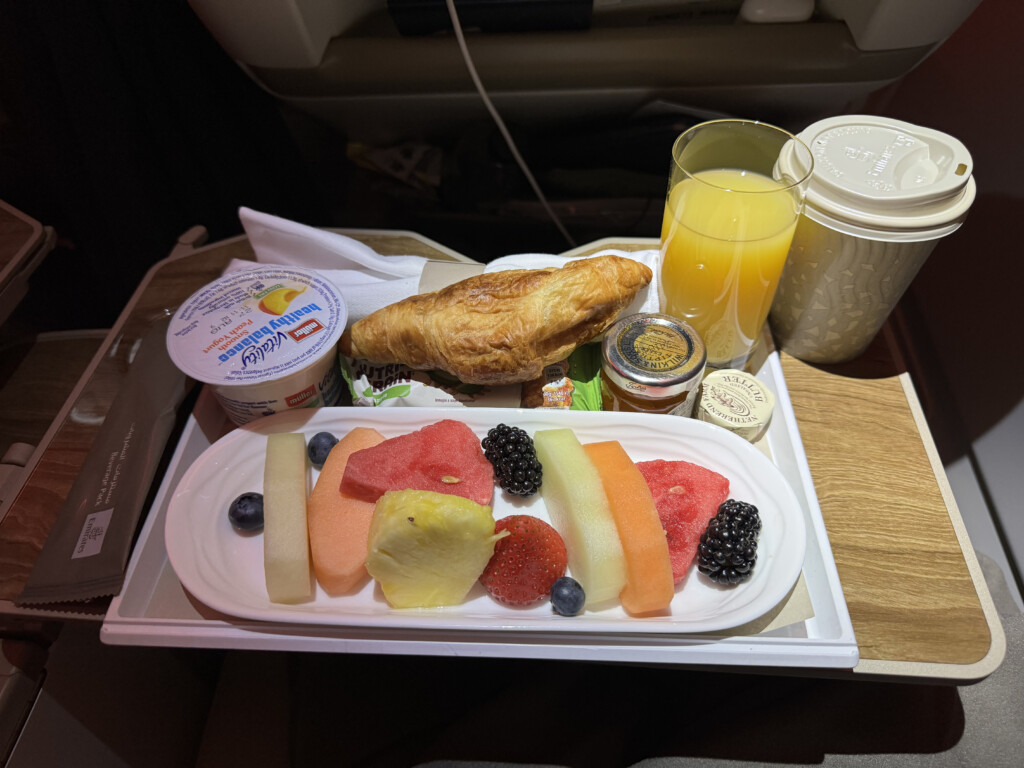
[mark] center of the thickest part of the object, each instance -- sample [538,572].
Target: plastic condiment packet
[87,550]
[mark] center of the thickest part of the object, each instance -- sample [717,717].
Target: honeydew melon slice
[285,533]
[578,508]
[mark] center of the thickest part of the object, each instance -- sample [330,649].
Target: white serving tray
[154,609]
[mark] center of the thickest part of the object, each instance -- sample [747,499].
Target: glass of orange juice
[729,221]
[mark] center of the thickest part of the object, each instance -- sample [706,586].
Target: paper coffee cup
[264,339]
[882,194]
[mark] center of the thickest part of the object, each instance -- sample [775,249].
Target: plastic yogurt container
[264,339]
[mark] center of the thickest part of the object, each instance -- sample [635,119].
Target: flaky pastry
[501,327]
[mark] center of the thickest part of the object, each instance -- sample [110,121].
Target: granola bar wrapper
[571,384]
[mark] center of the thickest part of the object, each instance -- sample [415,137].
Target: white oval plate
[224,569]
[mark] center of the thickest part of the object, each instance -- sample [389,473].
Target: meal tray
[154,609]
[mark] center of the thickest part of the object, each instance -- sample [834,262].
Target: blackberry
[728,547]
[510,451]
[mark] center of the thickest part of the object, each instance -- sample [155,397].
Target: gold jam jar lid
[653,355]
[737,401]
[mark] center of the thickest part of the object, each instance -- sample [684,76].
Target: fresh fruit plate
[225,569]
[193,581]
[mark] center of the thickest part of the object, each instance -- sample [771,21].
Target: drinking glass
[729,221]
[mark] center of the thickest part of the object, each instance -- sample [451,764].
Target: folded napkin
[368,280]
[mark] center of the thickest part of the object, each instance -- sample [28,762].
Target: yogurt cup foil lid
[256,325]
[885,175]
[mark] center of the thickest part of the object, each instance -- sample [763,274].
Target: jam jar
[651,363]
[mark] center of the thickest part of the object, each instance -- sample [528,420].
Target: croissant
[501,327]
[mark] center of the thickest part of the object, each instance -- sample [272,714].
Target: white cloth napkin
[369,281]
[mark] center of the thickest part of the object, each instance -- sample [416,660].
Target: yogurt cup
[882,194]
[264,339]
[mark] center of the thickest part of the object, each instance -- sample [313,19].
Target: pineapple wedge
[574,495]
[428,549]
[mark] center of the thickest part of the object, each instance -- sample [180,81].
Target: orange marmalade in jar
[651,363]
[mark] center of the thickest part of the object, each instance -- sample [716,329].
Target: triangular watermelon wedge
[687,496]
[444,457]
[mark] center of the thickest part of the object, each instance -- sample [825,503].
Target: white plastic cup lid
[256,325]
[885,176]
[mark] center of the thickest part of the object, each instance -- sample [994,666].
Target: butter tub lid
[256,325]
[737,401]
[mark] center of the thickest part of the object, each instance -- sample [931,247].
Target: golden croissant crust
[501,327]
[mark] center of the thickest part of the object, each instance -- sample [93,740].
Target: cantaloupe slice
[285,535]
[339,525]
[579,511]
[649,583]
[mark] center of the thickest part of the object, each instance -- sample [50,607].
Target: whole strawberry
[525,563]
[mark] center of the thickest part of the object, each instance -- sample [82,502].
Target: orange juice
[724,242]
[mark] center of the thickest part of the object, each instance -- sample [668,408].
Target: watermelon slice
[444,457]
[687,496]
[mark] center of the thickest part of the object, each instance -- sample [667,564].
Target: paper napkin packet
[86,551]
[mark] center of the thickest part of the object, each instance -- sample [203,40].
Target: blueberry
[246,512]
[567,596]
[319,446]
